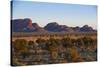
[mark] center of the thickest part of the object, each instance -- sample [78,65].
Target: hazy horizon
[64,14]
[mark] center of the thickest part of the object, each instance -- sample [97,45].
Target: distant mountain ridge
[26,25]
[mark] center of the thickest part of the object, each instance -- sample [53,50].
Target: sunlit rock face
[25,25]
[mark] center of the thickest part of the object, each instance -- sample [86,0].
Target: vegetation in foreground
[65,50]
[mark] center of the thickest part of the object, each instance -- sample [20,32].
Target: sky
[64,14]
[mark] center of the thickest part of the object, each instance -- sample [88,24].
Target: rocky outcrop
[26,25]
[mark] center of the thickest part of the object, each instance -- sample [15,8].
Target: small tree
[20,45]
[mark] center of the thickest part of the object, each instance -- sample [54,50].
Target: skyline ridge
[54,22]
[26,25]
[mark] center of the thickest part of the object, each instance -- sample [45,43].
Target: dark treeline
[51,51]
